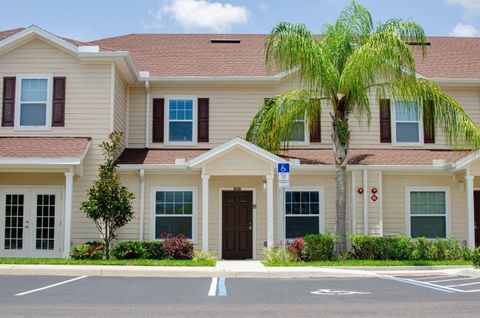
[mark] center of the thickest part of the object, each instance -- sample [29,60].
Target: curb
[208,272]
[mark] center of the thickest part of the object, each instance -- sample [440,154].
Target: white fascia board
[13,161]
[212,79]
[386,168]
[457,81]
[462,162]
[153,167]
[237,141]
[36,31]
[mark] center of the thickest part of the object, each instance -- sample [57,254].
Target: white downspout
[354,203]
[365,201]
[147,110]
[142,204]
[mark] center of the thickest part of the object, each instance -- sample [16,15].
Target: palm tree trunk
[341,138]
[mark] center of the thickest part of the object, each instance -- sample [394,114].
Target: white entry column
[67,225]
[205,212]
[269,210]
[470,212]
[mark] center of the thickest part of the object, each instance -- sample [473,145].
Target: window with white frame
[33,106]
[180,122]
[299,128]
[428,213]
[407,122]
[302,213]
[174,212]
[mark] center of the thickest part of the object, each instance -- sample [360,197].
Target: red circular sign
[374,190]
[374,197]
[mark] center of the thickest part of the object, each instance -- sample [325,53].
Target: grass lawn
[133,262]
[368,263]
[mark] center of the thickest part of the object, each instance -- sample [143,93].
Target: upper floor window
[407,124]
[299,128]
[181,123]
[34,102]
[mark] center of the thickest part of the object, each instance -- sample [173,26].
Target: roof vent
[225,41]
[419,43]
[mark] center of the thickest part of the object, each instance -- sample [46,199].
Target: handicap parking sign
[284,167]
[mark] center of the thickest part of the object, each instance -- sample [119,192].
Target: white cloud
[195,15]
[464,30]
[264,6]
[470,7]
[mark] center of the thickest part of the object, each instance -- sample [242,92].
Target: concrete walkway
[247,269]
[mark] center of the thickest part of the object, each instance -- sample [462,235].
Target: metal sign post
[283,170]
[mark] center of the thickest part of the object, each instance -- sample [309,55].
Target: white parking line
[49,286]
[450,280]
[460,285]
[213,287]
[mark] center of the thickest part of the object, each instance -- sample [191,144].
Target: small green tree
[109,203]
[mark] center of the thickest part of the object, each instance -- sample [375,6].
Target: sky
[94,19]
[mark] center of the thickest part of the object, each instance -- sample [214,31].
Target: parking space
[219,297]
[442,282]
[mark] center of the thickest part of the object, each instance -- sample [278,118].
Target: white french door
[31,223]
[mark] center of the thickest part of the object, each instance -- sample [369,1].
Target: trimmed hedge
[366,247]
[318,247]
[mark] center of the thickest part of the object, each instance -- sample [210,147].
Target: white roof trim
[235,142]
[35,30]
[462,162]
[15,161]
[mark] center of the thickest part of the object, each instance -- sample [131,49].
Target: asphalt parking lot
[406,296]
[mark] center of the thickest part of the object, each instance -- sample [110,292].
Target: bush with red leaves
[295,248]
[177,247]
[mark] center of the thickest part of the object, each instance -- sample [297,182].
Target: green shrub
[154,250]
[467,253]
[129,250]
[318,247]
[398,248]
[476,257]
[89,250]
[421,247]
[204,256]
[368,247]
[444,249]
[277,255]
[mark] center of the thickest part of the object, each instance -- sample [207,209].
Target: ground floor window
[174,212]
[428,212]
[302,213]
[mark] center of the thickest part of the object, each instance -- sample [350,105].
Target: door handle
[250,226]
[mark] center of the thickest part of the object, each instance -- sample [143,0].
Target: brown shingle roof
[157,156]
[307,156]
[43,147]
[376,156]
[193,54]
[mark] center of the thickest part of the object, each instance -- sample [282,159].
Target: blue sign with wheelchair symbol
[284,167]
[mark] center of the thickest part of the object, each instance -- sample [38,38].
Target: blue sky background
[93,19]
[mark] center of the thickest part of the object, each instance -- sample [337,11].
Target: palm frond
[291,46]
[409,31]
[459,129]
[383,58]
[273,124]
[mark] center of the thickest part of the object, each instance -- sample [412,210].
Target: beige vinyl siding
[120,106]
[87,112]
[232,107]
[238,162]
[395,211]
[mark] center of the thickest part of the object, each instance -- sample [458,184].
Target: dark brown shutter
[158,119]
[316,128]
[428,122]
[385,121]
[8,108]
[203,105]
[58,106]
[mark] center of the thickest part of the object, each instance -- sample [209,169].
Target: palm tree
[339,70]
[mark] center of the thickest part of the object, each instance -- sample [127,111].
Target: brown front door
[237,224]
[476,206]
